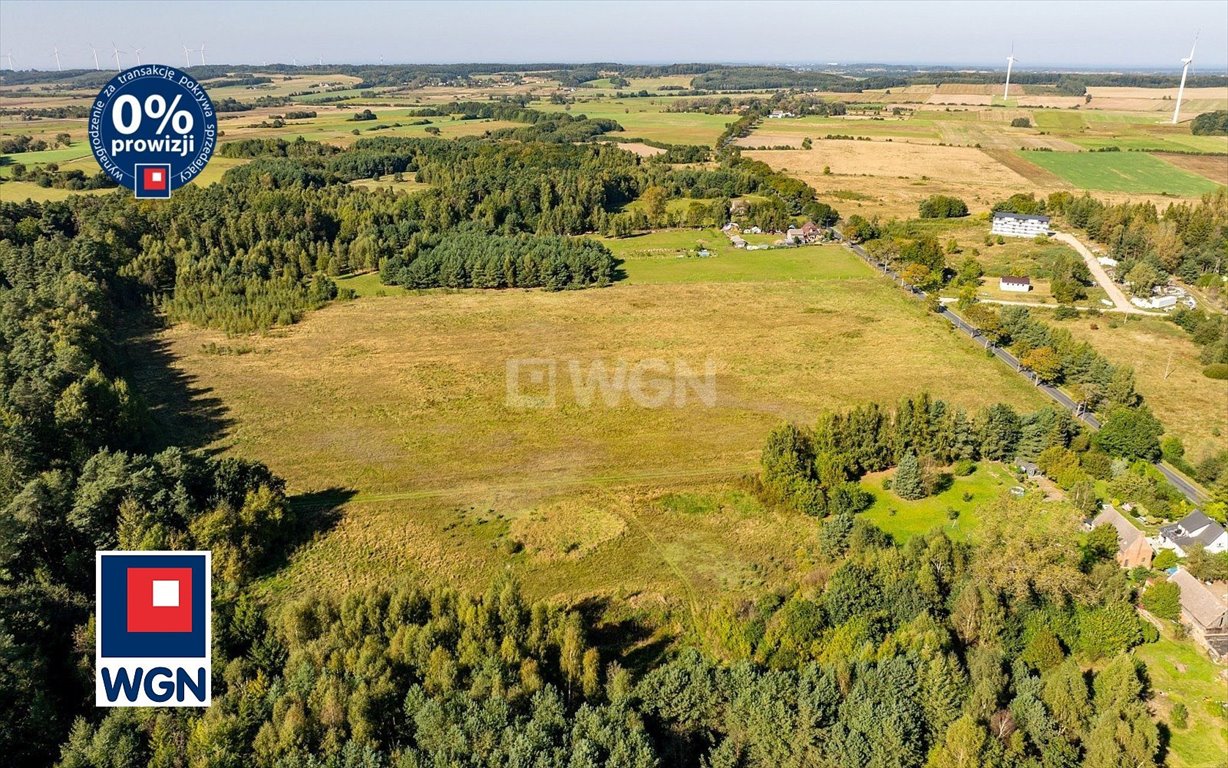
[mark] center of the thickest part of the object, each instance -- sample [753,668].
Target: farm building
[1195,528]
[1204,611]
[1019,224]
[1015,283]
[737,241]
[1132,547]
[1155,302]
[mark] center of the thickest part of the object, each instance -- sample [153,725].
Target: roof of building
[1127,534]
[1194,528]
[1200,601]
[1020,216]
[1015,280]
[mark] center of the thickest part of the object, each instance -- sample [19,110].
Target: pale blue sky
[1118,34]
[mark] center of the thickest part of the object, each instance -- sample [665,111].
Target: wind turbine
[56,53]
[1010,62]
[9,56]
[187,56]
[1185,70]
[95,50]
[137,52]
[202,54]
[116,52]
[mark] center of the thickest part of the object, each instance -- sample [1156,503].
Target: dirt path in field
[1097,269]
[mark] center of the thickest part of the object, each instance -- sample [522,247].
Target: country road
[1183,484]
[1116,295]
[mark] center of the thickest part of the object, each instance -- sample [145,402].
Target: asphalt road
[1177,479]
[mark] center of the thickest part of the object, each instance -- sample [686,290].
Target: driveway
[1116,295]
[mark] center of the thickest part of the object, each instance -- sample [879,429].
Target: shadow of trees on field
[178,411]
[311,515]
[629,640]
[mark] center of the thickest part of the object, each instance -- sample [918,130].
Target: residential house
[1193,529]
[1015,284]
[1133,550]
[1204,611]
[1019,224]
[795,236]
[811,231]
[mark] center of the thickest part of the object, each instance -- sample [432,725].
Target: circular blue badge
[152,129]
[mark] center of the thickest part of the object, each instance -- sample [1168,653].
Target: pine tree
[909,483]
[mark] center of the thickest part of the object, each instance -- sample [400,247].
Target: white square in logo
[156,176]
[165,594]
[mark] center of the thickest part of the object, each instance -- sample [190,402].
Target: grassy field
[893,176]
[372,401]
[668,256]
[1121,172]
[1179,672]
[646,119]
[904,519]
[1169,376]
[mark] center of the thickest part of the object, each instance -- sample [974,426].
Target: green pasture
[1135,172]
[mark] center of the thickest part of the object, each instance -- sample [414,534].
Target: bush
[1164,560]
[964,467]
[1021,122]
[1217,371]
[942,207]
[1180,716]
[1163,599]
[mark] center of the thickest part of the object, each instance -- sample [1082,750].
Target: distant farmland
[1121,172]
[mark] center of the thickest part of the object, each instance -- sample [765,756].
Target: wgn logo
[154,617]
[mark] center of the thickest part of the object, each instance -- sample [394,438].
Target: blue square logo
[153,181]
[153,605]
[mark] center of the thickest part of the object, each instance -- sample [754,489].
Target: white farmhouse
[1015,284]
[1019,224]
[1193,529]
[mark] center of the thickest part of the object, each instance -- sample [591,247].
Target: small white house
[1019,224]
[1015,284]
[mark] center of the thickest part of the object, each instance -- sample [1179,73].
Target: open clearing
[904,519]
[1180,672]
[379,396]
